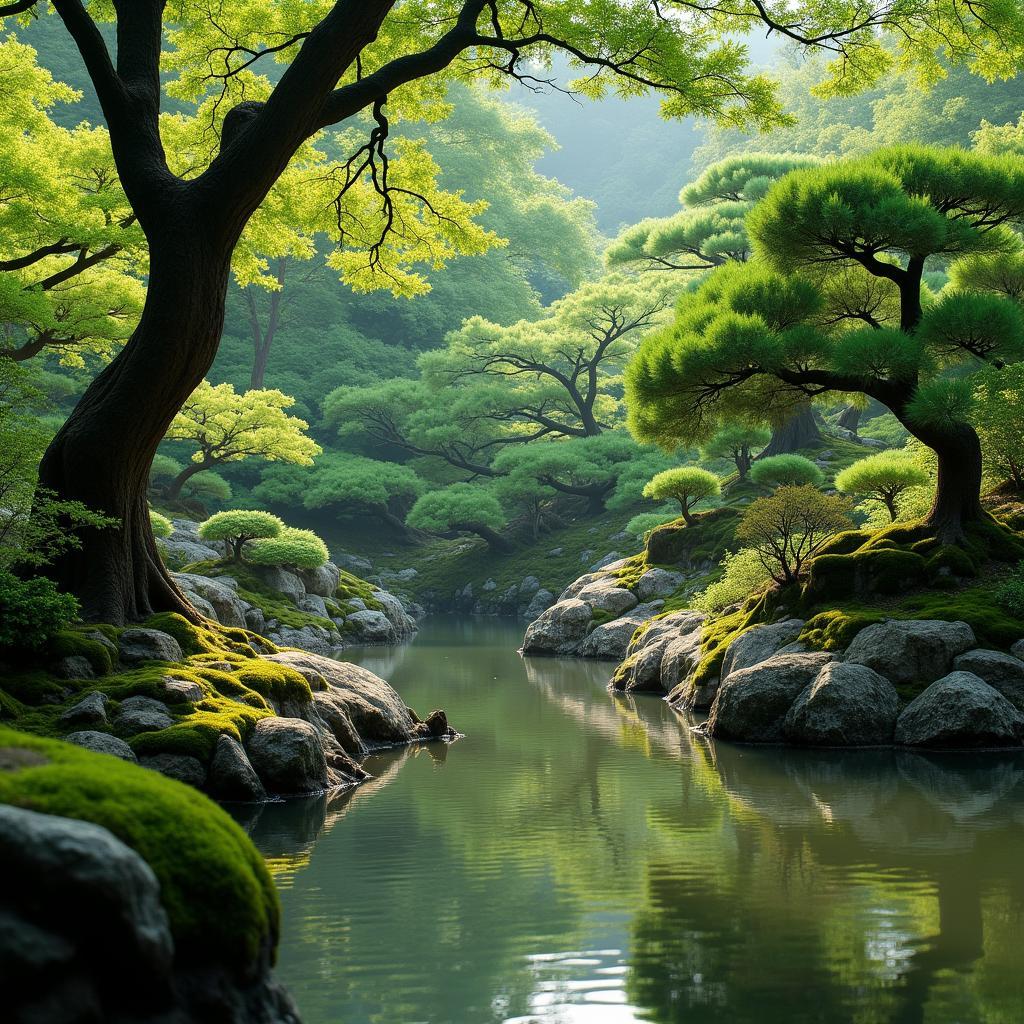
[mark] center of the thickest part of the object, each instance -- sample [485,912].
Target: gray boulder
[322,581]
[1003,671]
[913,650]
[255,620]
[394,611]
[281,580]
[228,609]
[182,690]
[314,604]
[353,563]
[1017,650]
[960,711]
[610,561]
[582,583]
[678,666]
[376,711]
[658,583]
[759,643]
[316,639]
[231,776]
[73,666]
[138,644]
[607,596]
[559,630]
[90,710]
[540,602]
[287,756]
[752,703]
[102,743]
[847,705]
[179,767]
[141,714]
[370,627]
[609,641]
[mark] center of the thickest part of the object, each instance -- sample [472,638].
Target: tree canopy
[688,485]
[753,341]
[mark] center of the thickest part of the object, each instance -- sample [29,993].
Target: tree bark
[173,492]
[263,339]
[743,460]
[799,431]
[494,539]
[102,454]
[958,489]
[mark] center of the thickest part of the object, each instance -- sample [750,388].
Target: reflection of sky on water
[580,858]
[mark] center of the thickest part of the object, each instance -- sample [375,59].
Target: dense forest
[685,337]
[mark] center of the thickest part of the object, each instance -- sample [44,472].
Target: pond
[583,858]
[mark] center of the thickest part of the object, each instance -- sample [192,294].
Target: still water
[582,858]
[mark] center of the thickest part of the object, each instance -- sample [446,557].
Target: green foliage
[884,478]
[788,528]
[298,549]
[736,442]
[998,418]
[688,485]
[885,428]
[1009,593]
[458,507]
[160,524]
[743,575]
[32,611]
[786,471]
[240,526]
[216,890]
[639,526]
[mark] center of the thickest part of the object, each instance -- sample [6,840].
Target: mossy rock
[993,626]
[677,544]
[74,642]
[845,543]
[950,562]
[214,885]
[885,570]
[834,630]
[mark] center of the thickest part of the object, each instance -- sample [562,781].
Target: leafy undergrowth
[217,892]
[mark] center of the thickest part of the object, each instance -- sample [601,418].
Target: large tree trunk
[494,539]
[103,453]
[799,431]
[958,489]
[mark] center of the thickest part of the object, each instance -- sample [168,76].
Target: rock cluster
[309,746]
[313,591]
[84,937]
[596,616]
[770,688]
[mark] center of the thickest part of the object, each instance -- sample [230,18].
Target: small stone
[141,714]
[74,666]
[179,767]
[138,644]
[313,604]
[90,710]
[102,743]
[183,690]
[231,776]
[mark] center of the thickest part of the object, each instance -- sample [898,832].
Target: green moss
[73,642]
[676,544]
[834,630]
[214,885]
[949,560]
[845,543]
[353,588]
[977,606]
[195,734]
[871,570]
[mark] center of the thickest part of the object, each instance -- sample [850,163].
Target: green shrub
[639,526]
[160,524]
[882,479]
[32,611]
[744,574]
[297,549]
[239,526]
[1009,594]
[689,485]
[786,471]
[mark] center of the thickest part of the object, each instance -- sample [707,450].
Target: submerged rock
[287,756]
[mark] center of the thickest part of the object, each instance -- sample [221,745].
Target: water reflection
[585,858]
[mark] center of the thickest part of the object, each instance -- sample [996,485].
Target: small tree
[883,478]
[786,471]
[228,427]
[789,526]
[737,442]
[239,526]
[295,549]
[688,485]
[468,508]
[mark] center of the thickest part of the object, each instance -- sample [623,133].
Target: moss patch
[218,894]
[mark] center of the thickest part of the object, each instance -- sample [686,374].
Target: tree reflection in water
[583,857]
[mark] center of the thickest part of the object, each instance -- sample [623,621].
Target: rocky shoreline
[917,683]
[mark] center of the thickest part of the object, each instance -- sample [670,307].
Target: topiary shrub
[32,611]
[786,471]
[239,526]
[296,549]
